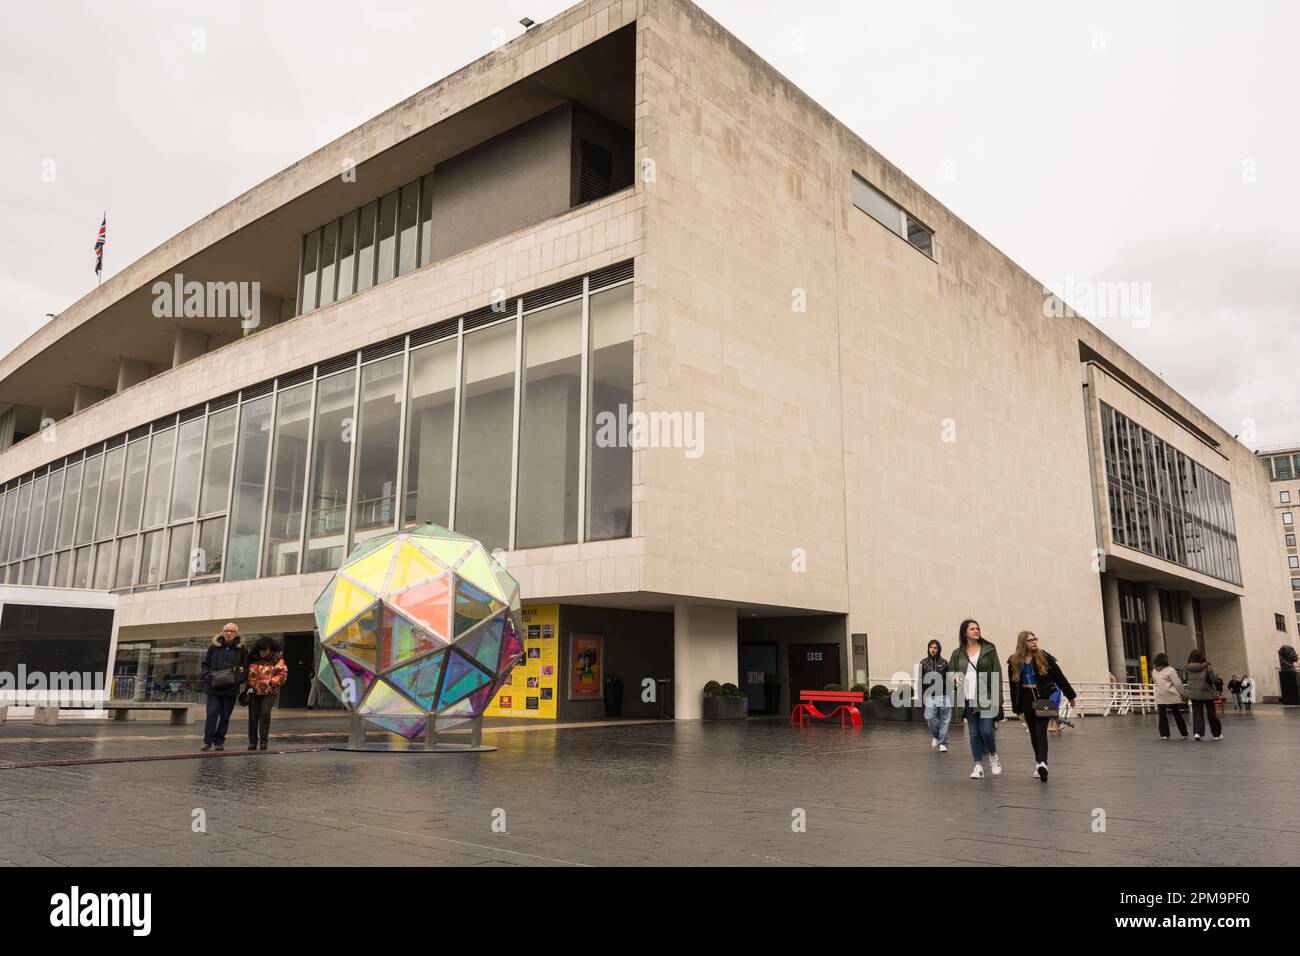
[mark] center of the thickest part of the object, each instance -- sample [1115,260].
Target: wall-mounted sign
[533,684]
[586,667]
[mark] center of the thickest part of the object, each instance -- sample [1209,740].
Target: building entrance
[812,667]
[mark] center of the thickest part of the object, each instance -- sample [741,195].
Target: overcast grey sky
[1151,142]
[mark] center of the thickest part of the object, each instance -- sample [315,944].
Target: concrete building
[1283,465]
[727,388]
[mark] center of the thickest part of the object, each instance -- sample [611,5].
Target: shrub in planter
[724,702]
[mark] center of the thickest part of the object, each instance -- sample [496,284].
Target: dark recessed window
[596,174]
[1280,622]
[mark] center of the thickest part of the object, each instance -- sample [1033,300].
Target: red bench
[845,699]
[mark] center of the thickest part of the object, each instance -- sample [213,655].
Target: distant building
[1283,464]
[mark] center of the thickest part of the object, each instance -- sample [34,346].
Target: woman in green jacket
[978,676]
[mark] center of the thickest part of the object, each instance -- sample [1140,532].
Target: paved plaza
[637,793]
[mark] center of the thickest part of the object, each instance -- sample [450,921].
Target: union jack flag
[99,244]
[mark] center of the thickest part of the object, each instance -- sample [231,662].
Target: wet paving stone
[656,793]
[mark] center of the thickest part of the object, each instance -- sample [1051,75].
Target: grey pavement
[697,793]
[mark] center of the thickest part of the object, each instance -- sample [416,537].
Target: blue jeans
[218,719]
[937,717]
[981,731]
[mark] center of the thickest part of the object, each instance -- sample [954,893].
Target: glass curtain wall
[331,457]
[288,481]
[487,421]
[429,433]
[379,423]
[254,448]
[609,454]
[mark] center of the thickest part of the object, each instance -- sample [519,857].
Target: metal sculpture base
[429,745]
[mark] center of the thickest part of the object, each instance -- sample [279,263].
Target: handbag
[223,679]
[244,698]
[1045,707]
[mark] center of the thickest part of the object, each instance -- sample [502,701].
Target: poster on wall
[586,667]
[532,685]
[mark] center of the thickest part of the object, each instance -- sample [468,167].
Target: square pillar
[1155,622]
[705,648]
[1114,631]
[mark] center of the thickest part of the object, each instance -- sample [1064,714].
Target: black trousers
[259,718]
[1164,710]
[1037,725]
[1200,710]
[218,718]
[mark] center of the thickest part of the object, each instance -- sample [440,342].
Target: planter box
[726,708]
[884,709]
[613,700]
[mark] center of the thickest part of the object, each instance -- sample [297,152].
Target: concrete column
[1155,623]
[188,344]
[130,372]
[1114,633]
[84,396]
[1189,613]
[141,673]
[705,648]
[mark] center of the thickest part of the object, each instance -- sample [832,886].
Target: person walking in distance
[224,665]
[1200,688]
[1035,678]
[978,675]
[266,672]
[1247,690]
[1171,698]
[937,707]
[1234,688]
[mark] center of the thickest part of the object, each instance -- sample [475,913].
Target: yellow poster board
[534,684]
[1146,677]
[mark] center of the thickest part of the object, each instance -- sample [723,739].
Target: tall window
[53,503]
[609,454]
[20,520]
[71,499]
[38,512]
[110,491]
[89,499]
[347,254]
[7,525]
[288,480]
[137,461]
[331,453]
[366,247]
[430,419]
[387,238]
[550,427]
[379,420]
[160,477]
[426,219]
[487,421]
[329,247]
[250,486]
[220,445]
[310,257]
[408,218]
[185,484]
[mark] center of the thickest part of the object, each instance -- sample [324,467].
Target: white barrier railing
[1095,698]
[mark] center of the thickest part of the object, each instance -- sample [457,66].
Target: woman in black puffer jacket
[1035,675]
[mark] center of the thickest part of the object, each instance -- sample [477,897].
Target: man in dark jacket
[932,683]
[224,667]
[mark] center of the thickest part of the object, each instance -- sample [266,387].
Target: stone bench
[47,715]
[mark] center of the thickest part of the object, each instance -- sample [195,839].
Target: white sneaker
[943,748]
[934,742]
[1220,737]
[1041,770]
[995,764]
[978,772]
[1196,736]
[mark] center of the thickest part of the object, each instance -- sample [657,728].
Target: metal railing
[1095,698]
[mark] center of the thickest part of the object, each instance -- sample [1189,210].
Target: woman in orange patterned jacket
[266,672]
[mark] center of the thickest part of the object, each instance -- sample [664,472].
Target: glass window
[109,492]
[1282,468]
[486,426]
[307,290]
[185,484]
[288,480]
[126,551]
[160,478]
[62,570]
[250,487]
[206,559]
[216,462]
[52,506]
[1290,541]
[81,568]
[329,247]
[7,526]
[366,247]
[406,223]
[178,552]
[34,519]
[1293,561]
[429,425]
[104,566]
[609,457]
[45,571]
[875,205]
[151,558]
[426,219]
[347,254]
[29,572]
[1285,497]
[89,500]
[920,237]
[387,237]
[1286,516]
[550,427]
[331,455]
[137,465]
[378,421]
[20,520]
[71,498]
